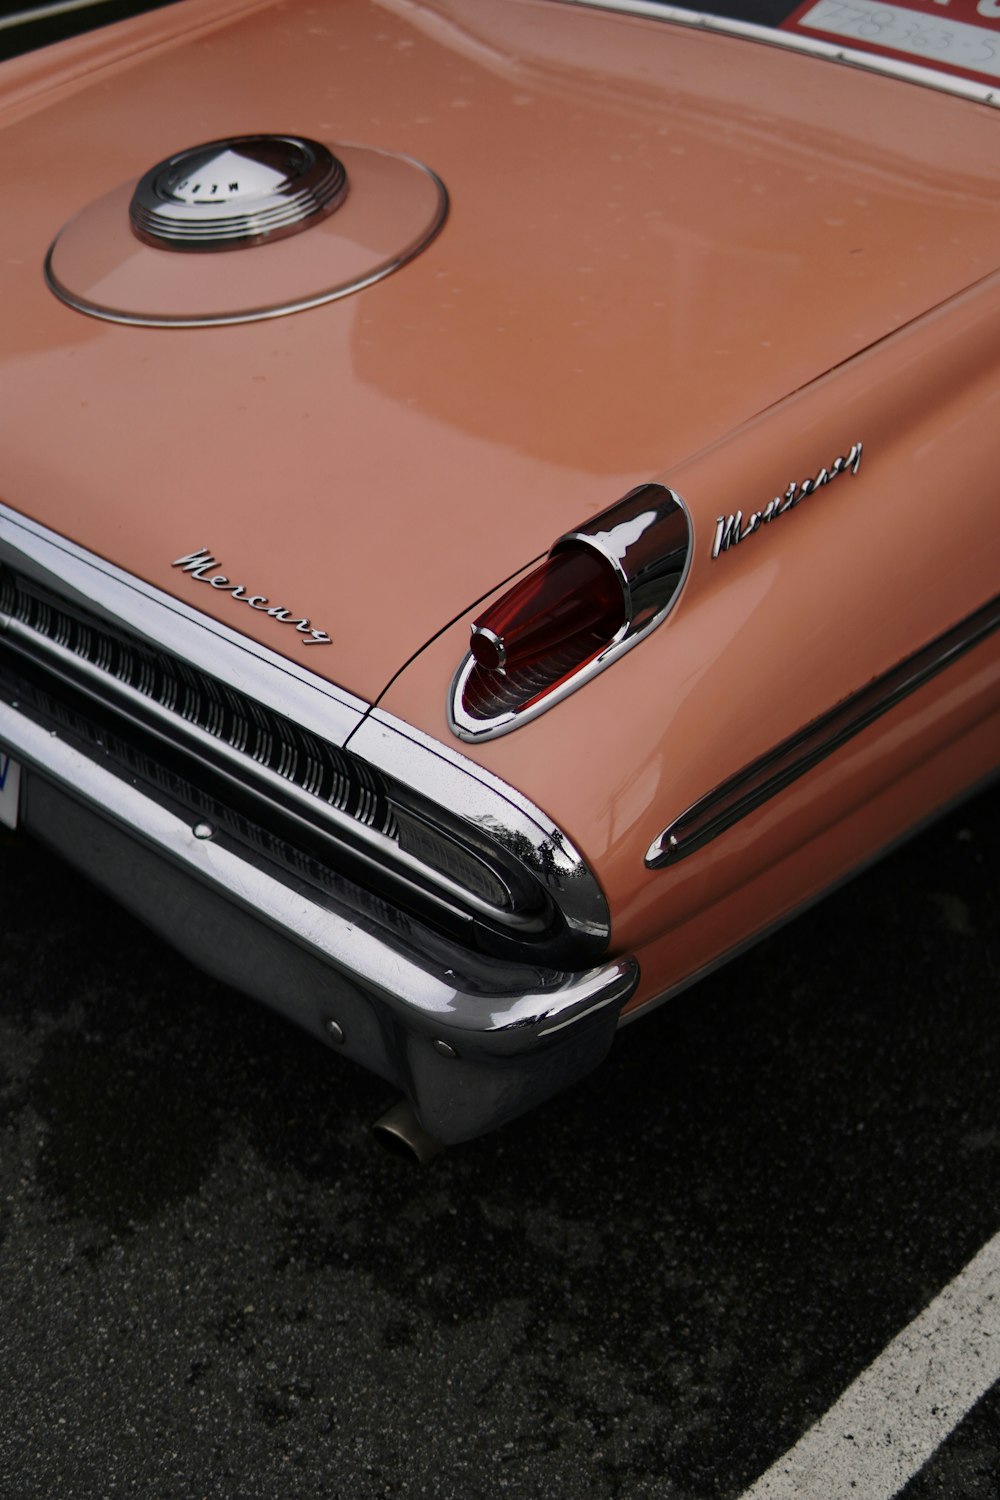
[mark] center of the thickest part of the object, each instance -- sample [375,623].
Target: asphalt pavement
[215,1283]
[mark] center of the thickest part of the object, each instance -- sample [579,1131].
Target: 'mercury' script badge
[202,565]
[729,530]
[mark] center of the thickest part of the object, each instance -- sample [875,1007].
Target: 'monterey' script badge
[732,529]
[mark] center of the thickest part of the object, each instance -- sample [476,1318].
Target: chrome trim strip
[432,987]
[868,62]
[765,777]
[729,955]
[630,535]
[502,815]
[164,622]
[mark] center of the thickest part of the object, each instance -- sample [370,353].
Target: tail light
[574,602]
[602,588]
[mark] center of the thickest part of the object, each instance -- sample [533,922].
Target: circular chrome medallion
[100,265]
[240,191]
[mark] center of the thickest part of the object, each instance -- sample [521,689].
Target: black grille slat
[215,708]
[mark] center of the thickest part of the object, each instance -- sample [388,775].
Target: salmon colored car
[498,502]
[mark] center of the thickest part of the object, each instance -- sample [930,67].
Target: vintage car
[498,503]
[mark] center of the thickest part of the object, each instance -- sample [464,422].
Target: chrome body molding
[647,537]
[765,777]
[869,62]
[235,193]
[733,529]
[728,955]
[386,988]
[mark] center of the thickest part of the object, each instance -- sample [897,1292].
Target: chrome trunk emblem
[236,192]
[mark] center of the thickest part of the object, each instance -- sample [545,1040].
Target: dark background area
[26,36]
[215,1283]
[47,29]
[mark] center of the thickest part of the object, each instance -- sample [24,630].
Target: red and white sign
[953,36]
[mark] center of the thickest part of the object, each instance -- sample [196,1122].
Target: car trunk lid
[653,235]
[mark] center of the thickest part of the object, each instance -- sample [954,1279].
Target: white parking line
[900,1410]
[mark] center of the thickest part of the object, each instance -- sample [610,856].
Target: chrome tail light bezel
[647,537]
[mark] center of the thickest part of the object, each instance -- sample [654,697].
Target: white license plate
[10,788]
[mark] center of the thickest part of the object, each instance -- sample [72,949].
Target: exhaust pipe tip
[401,1133]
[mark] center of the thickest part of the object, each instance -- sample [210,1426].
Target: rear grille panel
[247,727]
[304,802]
[198,793]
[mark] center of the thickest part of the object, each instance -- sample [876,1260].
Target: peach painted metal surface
[618,247]
[660,255]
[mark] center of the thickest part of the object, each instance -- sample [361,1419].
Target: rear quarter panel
[774,632]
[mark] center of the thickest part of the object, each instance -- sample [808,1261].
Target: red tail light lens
[601,590]
[568,608]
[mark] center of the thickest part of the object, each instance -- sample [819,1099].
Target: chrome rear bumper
[472,1040]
